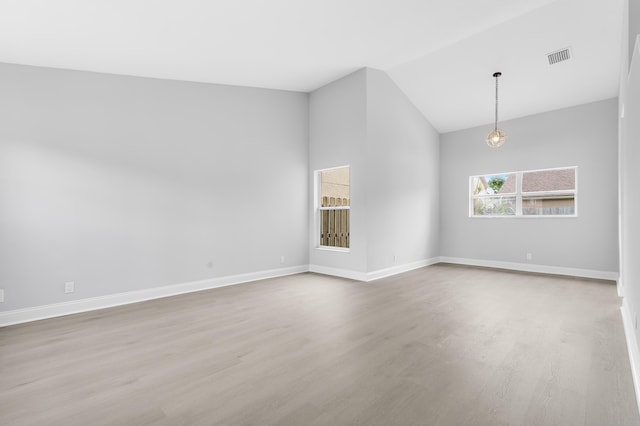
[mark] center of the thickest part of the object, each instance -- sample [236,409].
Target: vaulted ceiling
[441,53]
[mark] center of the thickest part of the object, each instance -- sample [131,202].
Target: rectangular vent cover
[559,56]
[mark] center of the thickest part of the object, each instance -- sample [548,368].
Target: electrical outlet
[210,264]
[69,287]
[1,295]
[282,259]
[529,256]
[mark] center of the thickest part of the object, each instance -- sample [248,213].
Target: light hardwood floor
[441,345]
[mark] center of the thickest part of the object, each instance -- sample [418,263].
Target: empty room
[319,212]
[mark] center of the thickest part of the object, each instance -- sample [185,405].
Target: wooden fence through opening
[334,230]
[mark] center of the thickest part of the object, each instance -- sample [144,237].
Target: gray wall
[337,137]
[402,178]
[583,136]
[364,120]
[122,183]
[634,24]
[630,176]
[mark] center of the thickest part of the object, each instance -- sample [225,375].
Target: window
[334,207]
[550,192]
[494,195]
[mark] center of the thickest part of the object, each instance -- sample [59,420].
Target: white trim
[519,195]
[619,286]
[373,275]
[338,272]
[398,269]
[317,204]
[526,171]
[632,347]
[333,168]
[335,208]
[529,216]
[83,305]
[19,316]
[526,267]
[546,193]
[519,191]
[336,249]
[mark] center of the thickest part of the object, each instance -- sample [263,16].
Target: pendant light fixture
[497,137]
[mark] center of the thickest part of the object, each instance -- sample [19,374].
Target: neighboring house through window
[549,192]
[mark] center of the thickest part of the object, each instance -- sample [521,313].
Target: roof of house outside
[509,185]
[533,181]
[549,180]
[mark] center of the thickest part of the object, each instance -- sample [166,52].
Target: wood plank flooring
[441,345]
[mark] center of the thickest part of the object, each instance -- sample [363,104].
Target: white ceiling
[442,53]
[454,87]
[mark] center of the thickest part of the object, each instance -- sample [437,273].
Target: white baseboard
[398,269]
[83,305]
[527,267]
[76,306]
[374,275]
[620,287]
[338,272]
[632,347]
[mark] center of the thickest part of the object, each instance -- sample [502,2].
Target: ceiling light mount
[497,137]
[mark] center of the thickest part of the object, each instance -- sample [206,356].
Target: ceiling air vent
[559,56]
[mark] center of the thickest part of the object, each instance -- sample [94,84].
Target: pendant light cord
[497,137]
[496,122]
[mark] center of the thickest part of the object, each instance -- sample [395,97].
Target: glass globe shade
[496,138]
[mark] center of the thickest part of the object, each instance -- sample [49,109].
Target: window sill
[338,249]
[573,216]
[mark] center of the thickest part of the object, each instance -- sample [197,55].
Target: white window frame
[317,197]
[520,195]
